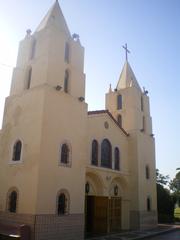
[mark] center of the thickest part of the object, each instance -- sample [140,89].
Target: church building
[67,172]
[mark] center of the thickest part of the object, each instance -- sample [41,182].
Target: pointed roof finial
[110,88]
[126,51]
[28,33]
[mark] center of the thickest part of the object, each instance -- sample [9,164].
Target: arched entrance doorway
[103,208]
[95,205]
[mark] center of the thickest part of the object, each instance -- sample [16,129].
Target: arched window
[63,202]
[116,159]
[65,154]
[33,49]
[94,154]
[119,102]
[119,120]
[106,154]
[12,201]
[66,81]
[147,172]
[66,53]
[148,204]
[29,76]
[17,151]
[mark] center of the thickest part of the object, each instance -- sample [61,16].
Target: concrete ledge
[133,235]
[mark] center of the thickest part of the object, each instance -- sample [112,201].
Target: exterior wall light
[87,188]
[58,88]
[81,99]
[116,190]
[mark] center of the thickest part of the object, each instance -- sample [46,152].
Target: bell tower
[130,107]
[50,56]
[43,137]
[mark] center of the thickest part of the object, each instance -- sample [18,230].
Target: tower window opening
[119,102]
[66,53]
[119,120]
[142,104]
[17,151]
[143,123]
[65,154]
[28,85]
[66,81]
[147,172]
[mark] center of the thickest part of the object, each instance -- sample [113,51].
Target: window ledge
[65,165]
[11,162]
[121,172]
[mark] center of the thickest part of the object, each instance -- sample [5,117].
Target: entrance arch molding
[96,183]
[122,185]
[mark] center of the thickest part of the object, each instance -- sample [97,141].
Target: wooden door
[96,214]
[114,214]
[100,222]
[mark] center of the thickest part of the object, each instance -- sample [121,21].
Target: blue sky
[151,29]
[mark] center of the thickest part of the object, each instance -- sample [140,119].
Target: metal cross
[126,50]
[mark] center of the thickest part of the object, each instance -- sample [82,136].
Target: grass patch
[177,213]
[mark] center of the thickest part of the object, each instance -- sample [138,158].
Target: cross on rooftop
[126,51]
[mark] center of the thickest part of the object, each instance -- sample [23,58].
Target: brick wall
[49,227]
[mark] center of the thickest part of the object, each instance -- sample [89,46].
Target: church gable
[107,142]
[109,117]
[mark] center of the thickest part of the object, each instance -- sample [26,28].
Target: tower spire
[54,17]
[127,78]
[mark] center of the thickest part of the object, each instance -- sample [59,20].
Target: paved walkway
[168,236]
[132,235]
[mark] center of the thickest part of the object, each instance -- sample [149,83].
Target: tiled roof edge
[111,116]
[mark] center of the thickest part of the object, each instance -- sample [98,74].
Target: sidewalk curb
[144,235]
[157,233]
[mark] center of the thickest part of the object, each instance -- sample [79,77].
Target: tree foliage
[175,187]
[161,179]
[165,203]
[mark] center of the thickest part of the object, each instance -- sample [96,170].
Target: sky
[151,30]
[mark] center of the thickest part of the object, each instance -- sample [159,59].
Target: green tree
[175,187]
[165,203]
[161,179]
